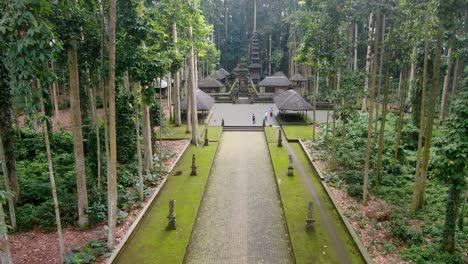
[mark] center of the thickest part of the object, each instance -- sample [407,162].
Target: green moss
[151,242]
[214,133]
[295,132]
[173,132]
[315,246]
[271,135]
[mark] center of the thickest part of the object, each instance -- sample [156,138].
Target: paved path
[240,219]
[241,114]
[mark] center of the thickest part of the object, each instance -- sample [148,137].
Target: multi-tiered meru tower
[255,67]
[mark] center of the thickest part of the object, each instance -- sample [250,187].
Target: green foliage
[89,253]
[156,114]
[126,138]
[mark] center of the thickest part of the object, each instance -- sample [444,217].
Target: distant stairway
[243,128]
[243,100]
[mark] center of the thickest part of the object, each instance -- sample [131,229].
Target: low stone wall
[345,220]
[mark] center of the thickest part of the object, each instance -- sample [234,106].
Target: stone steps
[242,128]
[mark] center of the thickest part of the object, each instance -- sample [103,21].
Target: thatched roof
[218,75]
[275,81]
[204,101]
[209,82]
[279,73]
[291,100]
[223,71]
[298,78]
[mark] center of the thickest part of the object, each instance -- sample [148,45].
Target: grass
[271,135]
[296,132]
[214,133]
[172,132]
[151,242]
[315,246]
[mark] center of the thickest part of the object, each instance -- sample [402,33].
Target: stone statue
[280,139]
[309,219]
[172,216]
[194,167]
[206,137]
[290,167]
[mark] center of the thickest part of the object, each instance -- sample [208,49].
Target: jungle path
[240,219]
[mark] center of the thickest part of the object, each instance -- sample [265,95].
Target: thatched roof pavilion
[204,101]
[223,71]
[210,85]
[290,100]
[298,78]
[274,84]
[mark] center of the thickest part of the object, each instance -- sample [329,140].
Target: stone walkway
[241,114]
[240,219]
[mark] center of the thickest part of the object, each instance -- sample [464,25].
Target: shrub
[355,190]
[126,138]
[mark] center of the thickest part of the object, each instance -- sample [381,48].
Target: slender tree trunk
[136,107]
[371,112]
[417,196]
[177,118]
[446,84]
[381,135]
[54,97]
[5,254]
[314,98]
[148,146]
[382,51]
[430,120]
[53,188]
[400,120]
[188,77]
[412,74]
[11,201]
[355,46]
[78,148]
[112,170]
[169,94]
[368,63]
[453,203]
[269,57]
[193,87]
[7,135]
[454,83]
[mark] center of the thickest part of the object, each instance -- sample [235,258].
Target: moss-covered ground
[171,131]
[316,246]
[151,242]
[296,132]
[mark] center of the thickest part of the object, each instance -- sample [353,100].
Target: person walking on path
[253,119]
[266,115]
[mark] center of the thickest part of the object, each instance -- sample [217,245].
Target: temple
[255,67]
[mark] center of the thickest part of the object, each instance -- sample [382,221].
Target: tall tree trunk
[11,201]
[412,74]
[5,254]
[52,187]
[430,120]
[382,50]
[453,203]
[417,196]
[269,57]
[368,62]
[136,107]
[454,82]
[371,112]
[446,84]
[314,98]
[381,135]
[177,118]
[401,112]
[54,97]
[112,170]
[169,94]
[7,133]
[96,129]
[355,46]
[80,166]
[148,146]
[193,87]
[188,91]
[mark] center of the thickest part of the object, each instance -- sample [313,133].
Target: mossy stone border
[345,220]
